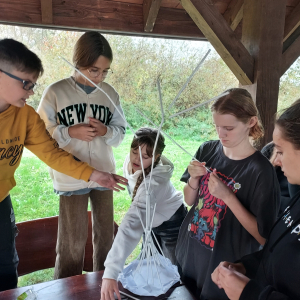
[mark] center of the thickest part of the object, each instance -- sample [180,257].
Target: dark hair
[289,123]
[14,54]
[239,103]
[89,47]
[147,136]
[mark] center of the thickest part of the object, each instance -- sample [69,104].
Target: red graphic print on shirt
[209,212]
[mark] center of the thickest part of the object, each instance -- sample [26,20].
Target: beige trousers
[73,231]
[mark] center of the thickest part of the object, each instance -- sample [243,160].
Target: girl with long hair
[274,272]
[234,194]
[169,213]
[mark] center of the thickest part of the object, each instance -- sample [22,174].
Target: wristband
[188,182]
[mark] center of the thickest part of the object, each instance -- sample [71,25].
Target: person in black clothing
[234,204]
[274,272]
[287,190]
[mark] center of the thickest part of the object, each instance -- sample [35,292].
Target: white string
[189,79]
[198,105]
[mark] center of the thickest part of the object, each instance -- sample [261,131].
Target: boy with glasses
[21,126]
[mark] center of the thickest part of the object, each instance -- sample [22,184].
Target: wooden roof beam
[150,12]
[234,13]
[292,52]
[220,35]
[46,12]
[292,23]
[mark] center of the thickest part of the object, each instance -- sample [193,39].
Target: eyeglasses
[96,72]
[27,85]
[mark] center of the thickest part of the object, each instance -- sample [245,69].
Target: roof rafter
[234,13]
[46,11]
[150,12]
[292,22]
[291,51]
[220,35]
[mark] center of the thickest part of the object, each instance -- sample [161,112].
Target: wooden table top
[85,287]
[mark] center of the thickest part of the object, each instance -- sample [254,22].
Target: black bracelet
[188,182]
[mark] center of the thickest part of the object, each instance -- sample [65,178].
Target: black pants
[8,254]
[167,233]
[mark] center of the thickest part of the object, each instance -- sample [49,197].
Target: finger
[120,178]
[197,163]
[111,295]
[93,119]
[224,271]
[225,264]
[118,294]
[214,172]
[119,187]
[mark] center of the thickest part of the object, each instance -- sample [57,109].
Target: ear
[253,121]
[157,155]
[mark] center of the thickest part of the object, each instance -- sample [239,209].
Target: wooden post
[263,28]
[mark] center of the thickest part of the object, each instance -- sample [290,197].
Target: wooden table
[85,287]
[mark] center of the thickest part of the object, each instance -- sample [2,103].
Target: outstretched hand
[108,180]
[233,282]
[108,288]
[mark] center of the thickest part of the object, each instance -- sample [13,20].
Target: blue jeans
[9,259]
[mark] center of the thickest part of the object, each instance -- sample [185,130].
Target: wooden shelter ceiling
[157,18]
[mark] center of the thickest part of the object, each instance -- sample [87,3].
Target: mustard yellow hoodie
[21,127]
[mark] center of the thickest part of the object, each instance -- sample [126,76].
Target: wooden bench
[36,244]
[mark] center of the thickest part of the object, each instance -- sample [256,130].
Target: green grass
[33,197]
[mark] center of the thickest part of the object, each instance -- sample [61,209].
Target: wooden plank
[107,16]
[221,36]
[234,13]
[292,22]
[46,10]
[150,11]
[292,52]
[263,38]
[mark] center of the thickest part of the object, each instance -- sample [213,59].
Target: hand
[232,282]
[196,169]
[108,288]
[83,132]
[99,127]
[108,180]
[218,189]
[238,267]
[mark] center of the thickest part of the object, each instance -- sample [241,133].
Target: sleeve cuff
[109,133]
[86,173]
[110,274]
[251,291]
[65,132]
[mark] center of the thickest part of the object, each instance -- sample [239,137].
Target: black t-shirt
[210,232]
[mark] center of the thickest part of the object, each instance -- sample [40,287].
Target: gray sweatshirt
[167,199]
